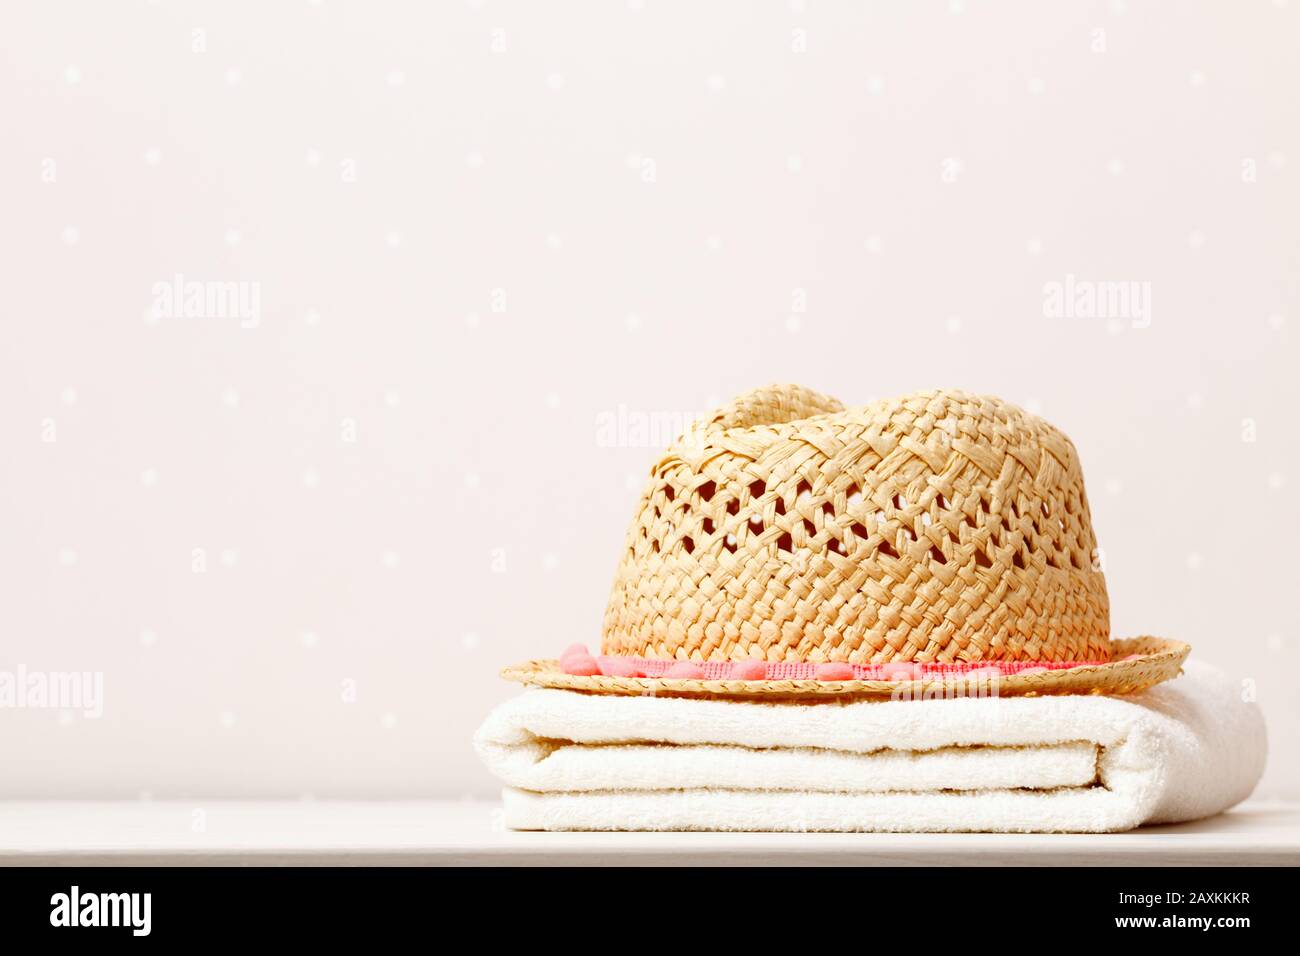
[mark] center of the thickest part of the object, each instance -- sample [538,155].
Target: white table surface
[447,832]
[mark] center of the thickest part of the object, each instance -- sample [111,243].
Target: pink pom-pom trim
[576,660]
[685,669]
[900,671]
[834,671]
[619,667]
[749,670]
[580,666]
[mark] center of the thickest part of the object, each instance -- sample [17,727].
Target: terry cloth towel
[1183,750]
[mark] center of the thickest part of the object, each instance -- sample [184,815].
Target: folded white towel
[1180,751]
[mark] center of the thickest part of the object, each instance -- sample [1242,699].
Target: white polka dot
[1114,486]
[229,557]
[1194,400]
[234,76]
[395,78]
[311,317]
[309,639]
[1196,78]
[552,400]
[1276,320]
[794,163]
[310,478]
[874,245]
[391,559]
[474,159]
[554,242]
[394,239]
[313,157]
[226,718]
[1276,480]
[550,562]
[472,479]
[1194,561]
[72,75]
[71,235]
[1037,86]
[391,398]
[469,641]
[632,321]
[1196,239]
[1034,247]
[234,237]
[1115,167]
[792,324]
[876,85]
[67,557]
[717,82]
[555,81]
[388,721]
[953,324]
[714,243]
[153,156]
[472,319]
[148,638]
[230,398]
[149,477]
[69,396]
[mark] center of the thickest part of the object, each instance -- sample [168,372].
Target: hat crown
[939,526]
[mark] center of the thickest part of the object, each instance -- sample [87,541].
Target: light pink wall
[657,188]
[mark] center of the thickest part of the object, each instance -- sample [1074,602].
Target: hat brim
[1157,660]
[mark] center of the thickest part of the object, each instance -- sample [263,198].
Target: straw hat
[788,547]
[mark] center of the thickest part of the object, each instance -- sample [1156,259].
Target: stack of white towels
[1185,749]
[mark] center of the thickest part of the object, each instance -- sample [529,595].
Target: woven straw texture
[937,527]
